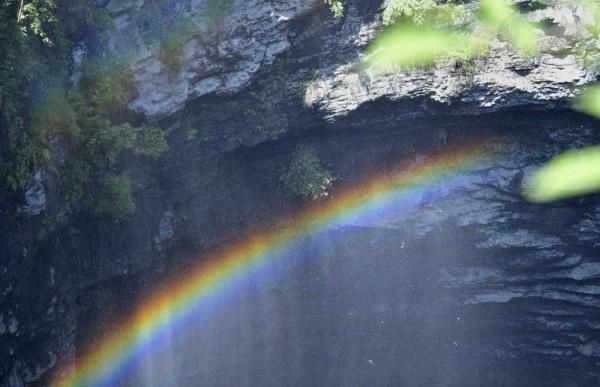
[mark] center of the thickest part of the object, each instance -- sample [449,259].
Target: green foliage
[422,35]
[54,116]
[589,101]
[84,17]
[336,7]
[171,48]
[87,177]
[29,41]
[306,177]
[150,141]
[36,18]
[102,142]
[105,142]
[115,198]
[573,173]
[501,18]
[100,106]
[191,134]
[424,32]
[86,126]
[410,46]
[108,86]
[413,10]
[170,53]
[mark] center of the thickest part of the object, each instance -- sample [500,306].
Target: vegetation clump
[306,177]
[414,10]
[422,33]
[31,39]
[115,198]
[78,134]
[171,48]
[336,7]
[100,106]
[108,86]
[150,141]
[421,12]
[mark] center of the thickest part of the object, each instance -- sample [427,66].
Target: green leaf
[573,173]
[589,101]
[501,17]
[412,46]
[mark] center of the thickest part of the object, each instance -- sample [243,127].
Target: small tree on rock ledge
[306,177]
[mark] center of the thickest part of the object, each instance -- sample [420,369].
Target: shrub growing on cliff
[414,10]
[306,177]
[171,49]
[53,116]
[150,141]
[336,7]
[115,198]
[170,53]
[99,148]
[108,86]
[30,41]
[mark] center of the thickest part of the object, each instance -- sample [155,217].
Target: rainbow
[179,301]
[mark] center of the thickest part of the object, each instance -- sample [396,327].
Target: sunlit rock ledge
[227,59]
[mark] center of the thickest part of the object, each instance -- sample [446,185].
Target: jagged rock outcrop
[221,58]
[224,60]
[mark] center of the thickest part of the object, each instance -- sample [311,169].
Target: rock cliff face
[224,60]
[270,75]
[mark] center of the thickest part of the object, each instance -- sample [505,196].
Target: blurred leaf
[589,101]
[502,18]
[523,37]
[573,173]
[496,13]
[413,46]
[420,42]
